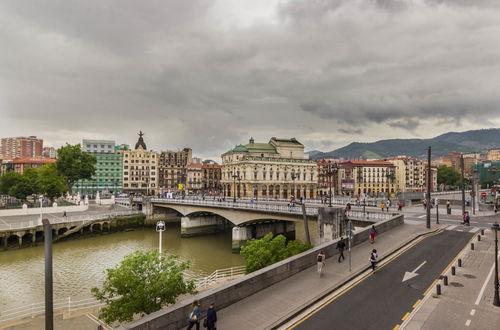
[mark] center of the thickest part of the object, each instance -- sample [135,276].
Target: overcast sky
[209,74]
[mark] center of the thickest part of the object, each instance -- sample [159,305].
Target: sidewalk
[463,300]
[269,307]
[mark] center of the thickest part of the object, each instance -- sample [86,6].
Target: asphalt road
[382,299]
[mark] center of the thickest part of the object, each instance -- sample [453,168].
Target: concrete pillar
[240,237]
[33,237]
[203,225]
[5,239]
[20,240]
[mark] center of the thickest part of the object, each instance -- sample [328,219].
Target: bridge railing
[218,275]
[280,208]
[74,218]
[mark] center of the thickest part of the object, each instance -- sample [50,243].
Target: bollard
[472,246]
[445,280]
[452,270]
[438,289]
[482,231]
[459,262]
[478,237]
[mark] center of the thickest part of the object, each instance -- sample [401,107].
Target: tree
[260,253]
[75,164]
[52,184]
[8,180]
[26,186]
[448,176]
[142,283]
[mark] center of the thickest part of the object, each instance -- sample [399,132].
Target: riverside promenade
[273,306]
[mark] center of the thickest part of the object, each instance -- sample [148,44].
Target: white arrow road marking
[409,275]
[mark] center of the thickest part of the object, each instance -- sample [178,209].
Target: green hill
[470,141]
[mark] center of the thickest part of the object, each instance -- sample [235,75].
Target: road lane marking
[396,327]
[416,303]
[422,216]
[467,323]
[472,312]
[357,280]
[451,227]
[485,283]
[474,230]
[410,275]
[406,316]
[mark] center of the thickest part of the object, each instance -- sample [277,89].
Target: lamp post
[160,228]
[330,171]
[235,176]
[462,182]
[496,298]
[41,207]
[293,177]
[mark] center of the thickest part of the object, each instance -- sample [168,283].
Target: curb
[305,306]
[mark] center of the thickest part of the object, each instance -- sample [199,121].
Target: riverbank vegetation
[142,283]
[260,253]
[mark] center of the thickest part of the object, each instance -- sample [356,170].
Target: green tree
[260,253]
[75,164]
[28,185]
[52,184]
[142,283]
[8,180]
[448,176]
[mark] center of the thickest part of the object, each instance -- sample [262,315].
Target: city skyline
[326,72]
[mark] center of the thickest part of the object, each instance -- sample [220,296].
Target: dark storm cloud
[209,74]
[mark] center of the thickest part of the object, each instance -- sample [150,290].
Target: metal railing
[60,305]
[218,275]
[279,208]
[68,305]
[74,218]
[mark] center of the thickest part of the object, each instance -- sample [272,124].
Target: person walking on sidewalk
[382,207]
[373,232]
[374,258]
[341,247]
[195,315]
[211,318]
[321,262]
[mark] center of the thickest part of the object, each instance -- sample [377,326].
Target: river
[79,264]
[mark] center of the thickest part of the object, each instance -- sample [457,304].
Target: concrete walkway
[468,298]
[270,307]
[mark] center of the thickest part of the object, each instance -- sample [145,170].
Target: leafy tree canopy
[8,180]
[75,164]
[51,182]
[142,283]
[260,253]
[28,185]
[448,176]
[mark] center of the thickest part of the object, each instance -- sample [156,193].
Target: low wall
[176,316]
[46,210]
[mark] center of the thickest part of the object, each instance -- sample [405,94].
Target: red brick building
[21,147]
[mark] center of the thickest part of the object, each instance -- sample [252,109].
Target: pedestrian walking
[448,207]
[373,232]
[382,207]
[194,316]
[400,206]
[321,262]
[211,320]
[341,247]
[424,203]
[466,219]
[374,258]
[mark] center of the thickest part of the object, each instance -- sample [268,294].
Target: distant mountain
[470,141]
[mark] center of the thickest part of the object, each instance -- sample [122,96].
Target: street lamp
[496,298]
[160,228]
[330,172]
[235,176]
[41,207]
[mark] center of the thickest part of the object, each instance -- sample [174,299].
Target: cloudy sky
[210,73]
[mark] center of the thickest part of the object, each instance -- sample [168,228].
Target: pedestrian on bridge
[374,258]
[321,262]
[382,207]
[211,318]
[341,247]
[373,232]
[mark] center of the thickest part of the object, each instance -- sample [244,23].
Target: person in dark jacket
[341,247]
[211,317]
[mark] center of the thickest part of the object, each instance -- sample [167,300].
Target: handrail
[74,218]
[67,304]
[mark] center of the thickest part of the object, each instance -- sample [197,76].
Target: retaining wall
[46,210]
[176,316]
